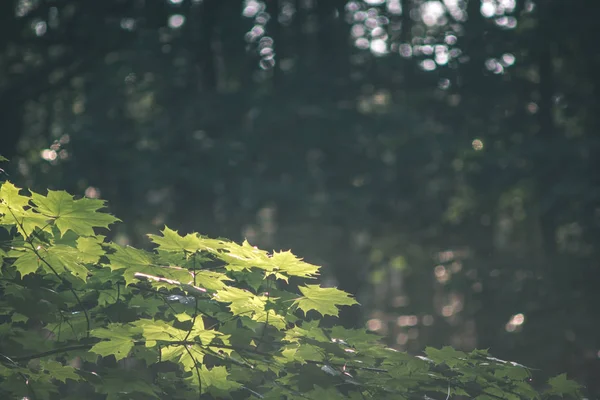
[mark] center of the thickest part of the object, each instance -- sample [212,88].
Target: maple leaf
[247,304]
[561,386]
[120,340]
[446,355]
[288,263]
[211,280]
[81,216]
[171,241]
[15,210]
[325,301]
[90,249]
[60,257]
[214,380]
[9,196]
[135,261]
[154,330]
[58,371]
[244,257]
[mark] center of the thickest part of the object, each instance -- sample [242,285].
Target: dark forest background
[439,158]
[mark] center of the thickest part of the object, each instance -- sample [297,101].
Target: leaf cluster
[197,317]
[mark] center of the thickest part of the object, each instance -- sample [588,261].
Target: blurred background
[439,158]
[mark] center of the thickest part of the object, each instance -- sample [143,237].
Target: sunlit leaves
[90,250]
[158,330]
[211,280]
[214,380]
[119,340]
[204,335]
[291,265]
[134,261]
[58,258]
[15,210]
[323,300]
[173,242]
[81,216]
[244,303]
[10,197]
[209,311]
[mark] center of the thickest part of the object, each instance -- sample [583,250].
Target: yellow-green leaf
[171,241]
[120,340]
[81,216]
[323,300]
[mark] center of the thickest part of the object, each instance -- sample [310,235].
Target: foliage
[391,129]
[197,318]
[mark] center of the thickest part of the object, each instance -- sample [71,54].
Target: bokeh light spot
[176,21]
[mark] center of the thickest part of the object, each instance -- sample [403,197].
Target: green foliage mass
[197,318]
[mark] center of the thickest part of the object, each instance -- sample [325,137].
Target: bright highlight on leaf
[323,300]
[173,242]
[120,341]
[81,216]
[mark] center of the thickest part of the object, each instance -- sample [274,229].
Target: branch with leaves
[198,318]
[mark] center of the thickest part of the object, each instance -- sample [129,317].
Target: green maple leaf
[214,380]
[26,262]
[561,386]
[118,347]
[67,258]
[135,261]
[323,300]
[154,330]
[309,329]
[10,197]
[446,355]
[242,301]
[186,356]
[283,264]
[211,280]
[171,241]
[247,304]
[15,210]
[291,265]
[126,257]
[359,338]
[511,371]
[244,257]
[205,335]
[179,354]
[300,353]
[58,371]
[81,216]
[61,259]
[120,340]
[90,249]
[172,353]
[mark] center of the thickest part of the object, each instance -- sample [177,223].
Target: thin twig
[25,379]
[197,371]
[195,300]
